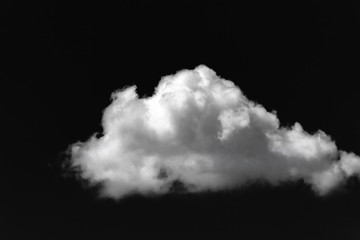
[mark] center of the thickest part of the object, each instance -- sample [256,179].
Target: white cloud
[201,130]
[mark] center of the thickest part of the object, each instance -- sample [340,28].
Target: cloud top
[202,131]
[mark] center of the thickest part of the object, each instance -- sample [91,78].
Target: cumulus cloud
[202,131]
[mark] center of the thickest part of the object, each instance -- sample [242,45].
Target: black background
[64,58]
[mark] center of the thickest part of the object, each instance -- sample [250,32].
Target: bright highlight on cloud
[201,130]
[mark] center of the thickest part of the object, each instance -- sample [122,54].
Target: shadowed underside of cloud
[200,130]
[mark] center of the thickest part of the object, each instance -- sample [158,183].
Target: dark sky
[63,59]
